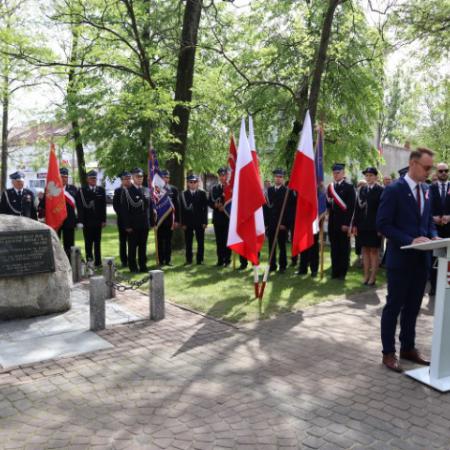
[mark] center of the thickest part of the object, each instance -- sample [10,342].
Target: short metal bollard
[108,272]
[156,287]
[75,262]
[97,297]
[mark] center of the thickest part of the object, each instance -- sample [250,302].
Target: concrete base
[24,341]
[48,347]
[423,375]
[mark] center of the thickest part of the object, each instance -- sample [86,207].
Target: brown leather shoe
[391,362]
[414,356]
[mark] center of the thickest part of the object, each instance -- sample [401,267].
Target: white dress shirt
[412,185]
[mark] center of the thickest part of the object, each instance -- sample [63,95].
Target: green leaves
[257,60]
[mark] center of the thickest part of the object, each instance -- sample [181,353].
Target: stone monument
[35,274]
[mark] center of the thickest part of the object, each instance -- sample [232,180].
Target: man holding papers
[404,218]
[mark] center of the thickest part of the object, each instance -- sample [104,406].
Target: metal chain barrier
[119,282]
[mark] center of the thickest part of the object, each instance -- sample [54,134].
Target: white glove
[79,226]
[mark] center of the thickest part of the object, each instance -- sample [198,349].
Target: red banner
[55,202]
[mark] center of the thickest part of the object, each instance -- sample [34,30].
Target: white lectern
[437,375]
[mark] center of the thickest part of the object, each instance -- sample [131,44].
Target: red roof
[43,132]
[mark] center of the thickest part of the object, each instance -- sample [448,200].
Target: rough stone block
[157,307]
[39,293]
[97,296]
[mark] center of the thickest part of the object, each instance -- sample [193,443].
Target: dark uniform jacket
[193,208]
[274,204]
[119,196]
[13,205]
[367,205]
[91,206]
[172,192]
[71,219]
[136,209]
[216,197]
[338,217]
[440,207]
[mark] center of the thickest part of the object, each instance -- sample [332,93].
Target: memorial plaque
[26,252]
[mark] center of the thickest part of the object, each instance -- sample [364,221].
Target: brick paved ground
[311,379]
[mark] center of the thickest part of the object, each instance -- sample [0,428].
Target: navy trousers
[340,252]
[405,293]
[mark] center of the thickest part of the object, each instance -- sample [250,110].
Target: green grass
[229,294]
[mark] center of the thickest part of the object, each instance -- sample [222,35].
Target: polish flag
[55,199]
[251,141]
[303,180]
[232,157]
[245,233]
[259,214]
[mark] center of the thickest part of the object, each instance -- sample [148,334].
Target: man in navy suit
[440,209]
[404,218]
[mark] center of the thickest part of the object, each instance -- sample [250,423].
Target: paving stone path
[309,379]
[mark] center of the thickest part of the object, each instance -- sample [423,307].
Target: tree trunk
[321,58]
[183,89]
[302,104]
[79,150]
[5,119]
[309,98]
[73,114]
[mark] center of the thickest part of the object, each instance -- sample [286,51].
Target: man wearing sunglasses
[440,209]
[404,218]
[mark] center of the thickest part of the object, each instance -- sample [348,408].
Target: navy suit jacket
[440,208]
[400,221]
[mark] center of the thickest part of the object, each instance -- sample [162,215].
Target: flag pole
[322,245]
[156,245]
[274,243]
[321,219]
[256,280]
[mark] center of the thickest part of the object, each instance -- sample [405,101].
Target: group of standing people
[407,211]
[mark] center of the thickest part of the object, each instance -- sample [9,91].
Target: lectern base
[423,375]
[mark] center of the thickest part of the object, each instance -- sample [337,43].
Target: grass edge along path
[228,294]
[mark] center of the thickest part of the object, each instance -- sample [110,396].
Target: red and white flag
[245,233]
[55,199]
[252,143]
[259,214]
[232,157]
[303,180]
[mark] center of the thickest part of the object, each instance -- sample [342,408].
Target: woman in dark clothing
[368,200]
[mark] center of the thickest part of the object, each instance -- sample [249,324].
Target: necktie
[419,199]
[443,192]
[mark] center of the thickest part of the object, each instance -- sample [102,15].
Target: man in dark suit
[404,218]
[194,218]
[440,210]
[120,196]
[166,227]
[91,207]
[137,218]
[220,219]
[272,213]
[18,201]
[341,206]
[67,230]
